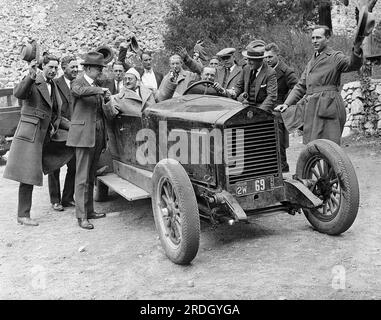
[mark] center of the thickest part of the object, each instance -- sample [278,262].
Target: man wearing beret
[87,134]
[135,96]
[257,79]
[323,115]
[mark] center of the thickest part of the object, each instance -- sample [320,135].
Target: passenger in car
[183,78]
[135,97]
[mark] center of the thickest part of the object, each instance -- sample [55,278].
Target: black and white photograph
[204,153]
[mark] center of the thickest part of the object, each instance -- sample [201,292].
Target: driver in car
[207,84]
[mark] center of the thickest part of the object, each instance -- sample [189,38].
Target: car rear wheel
[101,191]
[175,211]
[331,177]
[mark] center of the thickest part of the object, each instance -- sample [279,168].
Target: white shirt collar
[67,82]
[88,79]
[259,69]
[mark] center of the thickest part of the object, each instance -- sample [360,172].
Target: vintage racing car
[209,156]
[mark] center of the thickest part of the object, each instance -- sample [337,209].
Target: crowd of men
[63,119]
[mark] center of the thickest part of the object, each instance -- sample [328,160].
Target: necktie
[117,86]
[226,76]
[253,75]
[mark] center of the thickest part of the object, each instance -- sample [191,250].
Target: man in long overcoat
[40,118]
[286,80]
[87,134]
[323,115]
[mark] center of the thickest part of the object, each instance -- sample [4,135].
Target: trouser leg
[81,189]
[99,146]
[283,143]
[68,191]
[54,186]
[25,200]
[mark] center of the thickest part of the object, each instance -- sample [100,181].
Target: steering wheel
[207,82]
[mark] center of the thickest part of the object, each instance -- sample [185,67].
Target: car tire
[175,211]
[333,179]
[101,191]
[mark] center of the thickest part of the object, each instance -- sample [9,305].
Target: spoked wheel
[324,183]
[170,211]
[330,176]
[175,211]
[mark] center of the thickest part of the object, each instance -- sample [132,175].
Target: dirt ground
[273,257]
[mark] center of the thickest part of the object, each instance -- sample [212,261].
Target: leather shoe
[27,221]
[85,224]
[57,207]
[68,204]
[95,215]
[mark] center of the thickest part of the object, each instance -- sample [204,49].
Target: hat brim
[92,64]
[244,53]
[365,24]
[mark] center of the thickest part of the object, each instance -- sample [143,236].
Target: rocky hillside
[74,26]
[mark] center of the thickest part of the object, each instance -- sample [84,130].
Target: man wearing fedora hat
[322,115]
[87,134]
[257,79]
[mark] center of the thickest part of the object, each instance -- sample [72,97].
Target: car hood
[199,108]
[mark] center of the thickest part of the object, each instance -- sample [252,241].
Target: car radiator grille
[251,151]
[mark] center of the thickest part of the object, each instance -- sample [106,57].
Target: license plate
[244,188]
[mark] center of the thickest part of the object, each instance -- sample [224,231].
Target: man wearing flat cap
[227,73]
[87,134]
[323,115]
[257,79]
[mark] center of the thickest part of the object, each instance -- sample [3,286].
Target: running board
[125,188]
[139,177]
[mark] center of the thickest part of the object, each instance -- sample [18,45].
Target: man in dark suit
[257,79]
[149,77]
[286,80]
[115,83]
[39,122]
[69,66]
[87,134]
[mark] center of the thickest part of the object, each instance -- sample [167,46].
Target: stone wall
[363,108]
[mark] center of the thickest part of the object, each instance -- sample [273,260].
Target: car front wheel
[330,176]
[175,211]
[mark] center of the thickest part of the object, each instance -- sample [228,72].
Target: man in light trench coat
[322,115]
